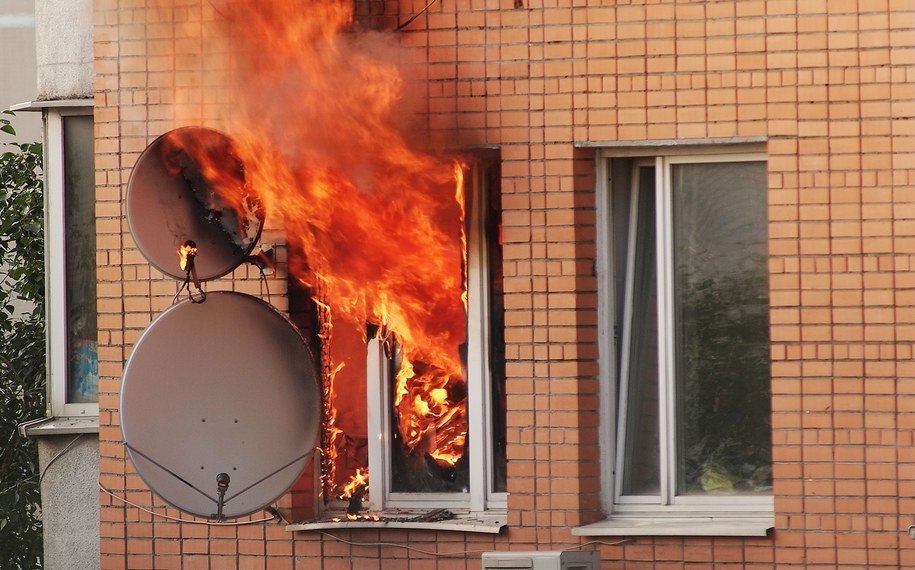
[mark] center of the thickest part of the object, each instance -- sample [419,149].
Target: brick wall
[830,85]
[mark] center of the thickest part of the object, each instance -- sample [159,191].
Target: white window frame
[55,267]
[480,497]
[666,504]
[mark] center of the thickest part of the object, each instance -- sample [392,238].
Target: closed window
[71,259]
[688,334]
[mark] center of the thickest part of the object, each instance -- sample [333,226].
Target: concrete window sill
[59,426]
[483,523]
[642,525]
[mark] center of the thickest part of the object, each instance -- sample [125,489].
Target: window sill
[53,104]
[713,525]
[478,523]
[59,426]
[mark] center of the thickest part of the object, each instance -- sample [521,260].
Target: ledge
[642,525]
[482,523]
[59,426]
[52,104]
[662,143]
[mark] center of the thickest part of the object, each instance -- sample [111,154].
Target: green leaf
[22,369]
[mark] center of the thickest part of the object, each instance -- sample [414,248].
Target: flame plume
[318,118]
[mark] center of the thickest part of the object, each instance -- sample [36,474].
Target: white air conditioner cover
[542,560]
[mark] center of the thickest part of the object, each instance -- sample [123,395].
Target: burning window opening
[421,447]
[428,400]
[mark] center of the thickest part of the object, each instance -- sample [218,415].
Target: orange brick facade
[829,85]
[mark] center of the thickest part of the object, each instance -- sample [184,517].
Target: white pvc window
[685,334]
[70,263]
[480,476]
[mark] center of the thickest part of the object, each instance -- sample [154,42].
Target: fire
[360,479]
[377,221]
[209,163]
[426,410]
[461,199]
[186,252]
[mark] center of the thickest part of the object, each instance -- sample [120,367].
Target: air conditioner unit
[542,560]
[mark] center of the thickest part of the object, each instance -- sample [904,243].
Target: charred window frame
[481,486]
[72,335]
[685,241]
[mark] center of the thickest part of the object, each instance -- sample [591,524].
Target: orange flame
[208,161]
[361,478]
[184,252]
[320,126]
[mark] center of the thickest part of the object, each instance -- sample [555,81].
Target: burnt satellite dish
[189,186]
[220,405]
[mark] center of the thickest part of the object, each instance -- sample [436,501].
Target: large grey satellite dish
[226,387]
[189,186]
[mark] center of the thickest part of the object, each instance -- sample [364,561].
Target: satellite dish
[226,387]
[189,186]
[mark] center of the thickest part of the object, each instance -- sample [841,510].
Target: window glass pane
[79,197]
[621,177]
[496,328]
[721,328]
[641,472]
